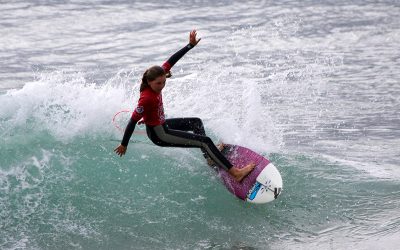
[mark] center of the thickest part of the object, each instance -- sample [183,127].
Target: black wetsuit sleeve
[178,55]
[128,132]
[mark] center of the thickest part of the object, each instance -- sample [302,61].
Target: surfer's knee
[197,121]
[198,126]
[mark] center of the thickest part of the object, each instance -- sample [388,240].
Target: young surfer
[173,132]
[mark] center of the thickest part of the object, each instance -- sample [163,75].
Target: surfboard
[262,185]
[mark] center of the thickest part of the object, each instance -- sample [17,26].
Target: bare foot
[221,146]
[240,173]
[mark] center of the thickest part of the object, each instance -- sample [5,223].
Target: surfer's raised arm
[193,41]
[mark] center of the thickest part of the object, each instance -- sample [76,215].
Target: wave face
[313,86]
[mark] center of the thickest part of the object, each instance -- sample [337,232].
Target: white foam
[65,105]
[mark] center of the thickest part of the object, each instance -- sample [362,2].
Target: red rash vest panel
[150,108]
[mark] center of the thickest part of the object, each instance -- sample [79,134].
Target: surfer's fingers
[120,151]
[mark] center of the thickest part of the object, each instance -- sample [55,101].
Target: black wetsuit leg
[193,124]
[165,136]
[187,124]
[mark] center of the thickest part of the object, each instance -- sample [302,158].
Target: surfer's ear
[168,74]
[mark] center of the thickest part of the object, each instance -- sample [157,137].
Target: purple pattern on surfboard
[240,157]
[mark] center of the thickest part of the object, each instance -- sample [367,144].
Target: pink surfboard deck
[264,178]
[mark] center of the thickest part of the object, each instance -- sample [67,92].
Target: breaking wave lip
[68,105]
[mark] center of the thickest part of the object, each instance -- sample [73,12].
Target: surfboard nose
[269,186]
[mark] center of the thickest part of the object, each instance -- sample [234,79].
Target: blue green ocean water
[312,85]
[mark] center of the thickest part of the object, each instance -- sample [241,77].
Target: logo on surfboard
[254,190]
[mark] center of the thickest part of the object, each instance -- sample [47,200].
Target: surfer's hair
[151,74]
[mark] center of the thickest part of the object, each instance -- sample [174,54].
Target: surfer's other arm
[121,149]
[137,115]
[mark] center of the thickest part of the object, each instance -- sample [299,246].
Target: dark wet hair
[151,74]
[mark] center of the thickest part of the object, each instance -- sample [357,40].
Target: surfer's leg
[186,124]
[162,136]
[189,124]
[165,137]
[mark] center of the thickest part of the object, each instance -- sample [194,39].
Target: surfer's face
[158,84]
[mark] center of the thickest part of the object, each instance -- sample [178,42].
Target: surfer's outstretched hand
[192,38]
[120,150]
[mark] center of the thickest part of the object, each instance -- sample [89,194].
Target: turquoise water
[312,86]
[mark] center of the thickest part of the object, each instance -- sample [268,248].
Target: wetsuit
[171,132]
